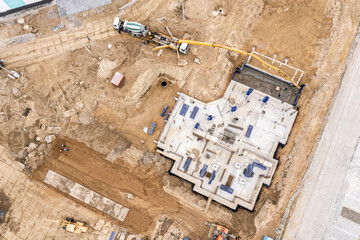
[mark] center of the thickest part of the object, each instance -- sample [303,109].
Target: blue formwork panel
[187,163]
[249,170]
[226,189]
[265,99]
[212,177]
[249,130]
[249,91]
[112,236]
[203,170]
[259,165]
[184,109]
[167,115]
[194,112]
[164,111]
[152,128]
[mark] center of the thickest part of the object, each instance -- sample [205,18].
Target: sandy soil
[70,96]
[116,181]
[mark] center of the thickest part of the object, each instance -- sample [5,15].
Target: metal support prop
[85,46]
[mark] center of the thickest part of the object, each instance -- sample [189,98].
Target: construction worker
[64,148]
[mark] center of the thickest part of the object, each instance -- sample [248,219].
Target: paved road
[334,174]
[345,221]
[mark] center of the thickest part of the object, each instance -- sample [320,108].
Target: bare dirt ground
[69,95]
[116,181]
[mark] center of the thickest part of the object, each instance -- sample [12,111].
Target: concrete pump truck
[142,31]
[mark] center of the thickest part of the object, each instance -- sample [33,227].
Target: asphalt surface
[328,206]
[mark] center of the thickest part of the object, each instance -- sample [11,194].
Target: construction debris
[84,15]
[11,74]
[182,62]
[165,226]
[128,5]
[21,21]
[87,49]
[54,29]
[32,146]
[16,92]
[50,138]
[183,11]
[130,196]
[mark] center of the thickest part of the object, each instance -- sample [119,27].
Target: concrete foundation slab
[226,147]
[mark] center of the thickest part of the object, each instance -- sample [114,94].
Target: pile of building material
[86,195]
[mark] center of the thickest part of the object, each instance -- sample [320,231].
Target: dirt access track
[65,92]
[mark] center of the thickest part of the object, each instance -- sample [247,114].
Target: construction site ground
[66,92]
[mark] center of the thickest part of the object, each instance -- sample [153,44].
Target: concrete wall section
[86,195]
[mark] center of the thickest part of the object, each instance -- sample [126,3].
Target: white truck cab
[117,21]
[184,48]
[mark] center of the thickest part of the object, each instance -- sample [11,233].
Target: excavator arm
[276,69]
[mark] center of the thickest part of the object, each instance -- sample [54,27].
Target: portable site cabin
[118,79]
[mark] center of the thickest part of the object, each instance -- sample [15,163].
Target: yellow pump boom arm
[278,70]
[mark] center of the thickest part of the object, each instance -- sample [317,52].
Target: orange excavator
[221,233]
